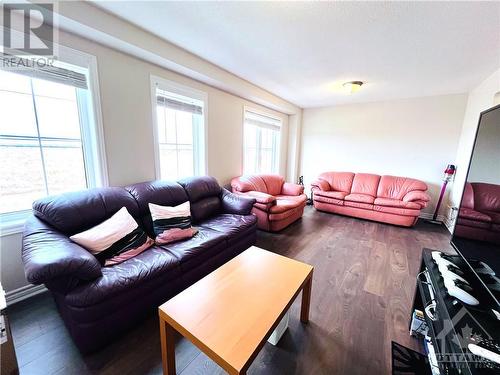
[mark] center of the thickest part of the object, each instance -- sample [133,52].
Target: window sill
[13,223]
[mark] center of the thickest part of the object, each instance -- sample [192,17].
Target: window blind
[262,121]
[50,73]
[179,105]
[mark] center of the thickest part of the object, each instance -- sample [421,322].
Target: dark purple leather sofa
[98,303]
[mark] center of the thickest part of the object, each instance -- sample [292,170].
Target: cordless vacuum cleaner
[448,175]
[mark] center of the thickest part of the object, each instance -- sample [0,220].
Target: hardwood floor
[363,287]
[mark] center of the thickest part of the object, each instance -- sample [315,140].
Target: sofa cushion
[361,198]
[163,193]
[323,199]
[486,197]
[204,194]
[393,187]
[473,223]
[387,202]
[330,194]
[292,189]
[397,210]
[286,202]
[155,262]
[365,183]
[495,216]
[338,181]
[75,212]
[231,225]
[274,183]
[196,250]
[366,206]
[469,214]
[265,183]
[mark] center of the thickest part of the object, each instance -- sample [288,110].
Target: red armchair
[279,203]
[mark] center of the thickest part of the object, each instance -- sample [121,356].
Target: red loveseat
[389,199]
[279,203]
[479,215]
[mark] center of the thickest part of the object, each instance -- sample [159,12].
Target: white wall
[126,109]
[412,137]
[480,98]
[127,120]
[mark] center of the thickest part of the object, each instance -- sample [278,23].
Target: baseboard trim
[442,218]
[23,293]
[428,216]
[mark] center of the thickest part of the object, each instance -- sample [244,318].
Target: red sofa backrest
[397,187]
[468,197]
[265,183]
[365,183]
[339,181]
[486,196]
[392,187]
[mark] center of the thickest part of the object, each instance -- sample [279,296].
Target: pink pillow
[175,234]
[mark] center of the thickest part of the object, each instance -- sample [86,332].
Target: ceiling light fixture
[353,86]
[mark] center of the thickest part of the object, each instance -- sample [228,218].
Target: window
[48,136]
[261,143]
[179,130]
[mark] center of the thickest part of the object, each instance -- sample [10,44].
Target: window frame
[279,143]
[201,160]
[92,136]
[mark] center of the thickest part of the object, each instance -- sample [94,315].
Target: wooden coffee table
[231,312]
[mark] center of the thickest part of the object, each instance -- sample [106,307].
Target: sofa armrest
[417,196]
[321,185]
[50,257]
[236,204]
[259,197]
[292,189]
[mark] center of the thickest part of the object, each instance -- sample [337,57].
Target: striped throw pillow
[114,240]
[171,224]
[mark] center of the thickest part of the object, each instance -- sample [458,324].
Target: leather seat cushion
[361,198]
[389,202]
[495,216]
[117,279]
[286,203]
[470,214]
[396,210]
[232,226]
[323,199]
[366,206]
[331,194]
[473,223]
[196,250]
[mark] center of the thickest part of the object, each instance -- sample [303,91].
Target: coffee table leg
[167,348]
[306,300]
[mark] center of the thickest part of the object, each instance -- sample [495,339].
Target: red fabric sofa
[479,215]
[389,199]
[279,203]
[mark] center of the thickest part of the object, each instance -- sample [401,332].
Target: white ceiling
[302,51]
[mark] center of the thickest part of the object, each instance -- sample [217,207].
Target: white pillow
[115,239]
[171,224]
